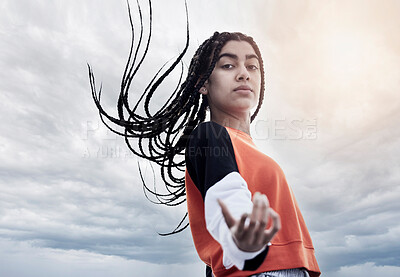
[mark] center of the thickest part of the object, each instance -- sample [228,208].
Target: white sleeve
[233,191]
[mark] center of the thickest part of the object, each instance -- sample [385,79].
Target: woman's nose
[243,74]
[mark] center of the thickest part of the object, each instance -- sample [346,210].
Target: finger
[255,212]
[276,220]
[263,220]
[240,228]
[249,231]
[230,221]
[264,210]
[260,205]
[275,227]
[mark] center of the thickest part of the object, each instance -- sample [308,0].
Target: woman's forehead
[238,47]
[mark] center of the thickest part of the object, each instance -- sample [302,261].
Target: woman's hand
[253,237]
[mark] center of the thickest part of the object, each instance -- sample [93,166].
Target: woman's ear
[203,90]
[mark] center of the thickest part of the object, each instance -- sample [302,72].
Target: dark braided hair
[165,133]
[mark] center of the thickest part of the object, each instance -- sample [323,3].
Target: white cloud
[71,199]
[20,259]
[367,269]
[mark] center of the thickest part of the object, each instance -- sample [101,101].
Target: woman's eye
[227,66]
[252,67]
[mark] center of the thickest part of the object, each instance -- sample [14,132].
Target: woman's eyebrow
[235,57]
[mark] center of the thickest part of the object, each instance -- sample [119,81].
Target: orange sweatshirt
[224,163]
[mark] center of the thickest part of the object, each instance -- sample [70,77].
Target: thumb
[230,221]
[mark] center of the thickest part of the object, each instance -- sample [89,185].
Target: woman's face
[234,85]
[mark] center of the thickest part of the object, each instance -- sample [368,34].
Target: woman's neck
[241,123]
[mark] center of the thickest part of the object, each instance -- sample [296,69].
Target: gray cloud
[70,190]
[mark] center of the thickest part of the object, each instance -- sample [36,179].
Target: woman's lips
[243,89]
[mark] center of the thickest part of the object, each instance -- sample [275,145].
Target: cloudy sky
[71,202]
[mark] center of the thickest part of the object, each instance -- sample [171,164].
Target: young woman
[243,215]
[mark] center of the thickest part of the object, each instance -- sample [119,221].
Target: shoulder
[209,131]
[208,136]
